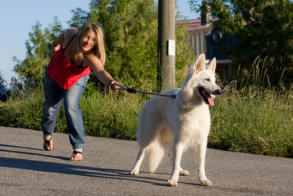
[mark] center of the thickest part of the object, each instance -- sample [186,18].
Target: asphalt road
[26,169]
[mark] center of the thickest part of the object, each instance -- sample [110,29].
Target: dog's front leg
[139,159]
[201,153]
[177,155]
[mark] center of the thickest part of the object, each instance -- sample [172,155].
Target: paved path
[25,169]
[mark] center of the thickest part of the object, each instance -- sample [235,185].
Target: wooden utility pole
[166,45]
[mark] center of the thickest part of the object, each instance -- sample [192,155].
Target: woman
[76,54]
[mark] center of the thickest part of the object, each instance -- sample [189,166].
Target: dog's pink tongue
[211,101]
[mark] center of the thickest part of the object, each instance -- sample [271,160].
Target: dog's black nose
[218,92]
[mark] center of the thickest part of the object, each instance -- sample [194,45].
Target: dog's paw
[172,183]
[134,172]
[184,173]
[206,182]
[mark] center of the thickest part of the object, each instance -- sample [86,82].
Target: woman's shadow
[71,169]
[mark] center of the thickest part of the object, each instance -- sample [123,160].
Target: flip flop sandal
[76,156]
[48,144]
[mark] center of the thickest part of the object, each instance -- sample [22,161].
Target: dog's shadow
[158,179]
[73,169]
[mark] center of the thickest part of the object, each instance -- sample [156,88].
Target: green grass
[105,114]
[111,115]
[247,120]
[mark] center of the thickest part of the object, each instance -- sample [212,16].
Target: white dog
[181,122]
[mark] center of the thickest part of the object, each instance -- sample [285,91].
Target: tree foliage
[38,53]
[79,18]
[263,27]
[3,88]
[130,35]
[131,32]
[2,82]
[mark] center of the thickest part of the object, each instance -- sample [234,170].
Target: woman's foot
[48,143]
[76,155]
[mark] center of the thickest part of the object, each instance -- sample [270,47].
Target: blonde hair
[98,49]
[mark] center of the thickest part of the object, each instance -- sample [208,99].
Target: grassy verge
[105,114]
[247,120]
[259,122]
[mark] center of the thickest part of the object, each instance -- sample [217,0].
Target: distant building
[204,39]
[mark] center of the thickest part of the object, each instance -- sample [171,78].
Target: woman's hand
[56,48]
[114,86]
[57,43]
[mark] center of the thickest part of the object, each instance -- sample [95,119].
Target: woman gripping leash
[75,54]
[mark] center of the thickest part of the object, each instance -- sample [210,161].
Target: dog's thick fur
[182,122]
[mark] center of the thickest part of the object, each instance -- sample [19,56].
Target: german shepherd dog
[182,122]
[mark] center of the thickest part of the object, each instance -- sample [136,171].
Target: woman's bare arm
[64,38]
[57,43]
[98,68]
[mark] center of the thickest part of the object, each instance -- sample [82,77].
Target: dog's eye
[207,79]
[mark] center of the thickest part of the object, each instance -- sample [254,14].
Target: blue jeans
[54,96]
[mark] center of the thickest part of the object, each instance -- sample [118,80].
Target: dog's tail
[156,152]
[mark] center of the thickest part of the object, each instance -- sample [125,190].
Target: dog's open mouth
[206,96]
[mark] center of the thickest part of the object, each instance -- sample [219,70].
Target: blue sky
[18,17]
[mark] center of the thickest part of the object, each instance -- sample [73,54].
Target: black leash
[133,90]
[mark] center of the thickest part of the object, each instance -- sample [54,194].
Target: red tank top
[63,72]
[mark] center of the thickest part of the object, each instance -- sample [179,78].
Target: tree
[130,34]
[264,29]
[3,88]
[131,30]
[39,51]
[79,18]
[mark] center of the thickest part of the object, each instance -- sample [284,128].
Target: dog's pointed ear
[199,64]
[212,65]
